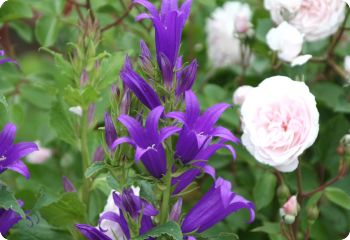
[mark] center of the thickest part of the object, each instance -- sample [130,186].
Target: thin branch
[119,20]
[91,12]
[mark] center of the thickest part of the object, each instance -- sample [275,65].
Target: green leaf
[15,9]
[264,190]
[47,30]
[269,228]
[338,197]
[8,201]
[171,229]
[94,168]
[23,30]
[66,211]
[62,123]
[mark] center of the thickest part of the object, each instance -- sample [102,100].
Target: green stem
[164,211]
[85,155]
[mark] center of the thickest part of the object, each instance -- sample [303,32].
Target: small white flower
[76,110]
[1,3]
[286,40]
[40,156]
[301,60]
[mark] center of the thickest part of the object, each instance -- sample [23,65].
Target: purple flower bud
[176,211]
[110,132]
[125,103]
[167,71]
[186,78]
[68,185]
[99,154]
[146,58]
[91,112]
[8,218]
[84,78]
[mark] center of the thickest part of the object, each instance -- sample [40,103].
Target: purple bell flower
[8,218]
[194,145]
[148,141]
[11,154]
[218,203]
[110,131]
[143,91]
[168,24]
[92,233]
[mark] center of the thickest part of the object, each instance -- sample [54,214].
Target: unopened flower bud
[288,219]
[125,103]
[68,185]
[99,154]
[345,141]
[312,214]
[176,211]
[291,206]
[146,59]
[84,78]
[283,193]
[242,24]
[91,112]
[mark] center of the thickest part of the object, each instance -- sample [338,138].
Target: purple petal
[168,6]
[167,70]
[8,218]
[224,133]
[186,78]
[155,161]
[122,140]
[187,145]
[209,118]
[167,132]
[149,6]
[206,153]
[19,150]
[6,60]
[143,91]
[152,123]
[186,9]
[91,233]
[184,180]
[20,167]
[7,137]
[99,154]
[135,129]
[179,116]
[192,108]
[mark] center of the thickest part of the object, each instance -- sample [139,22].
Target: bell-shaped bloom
[8,218]
[148,141]
[143,91]
[218,203]
[110,132]
[195,144]
[11,153]
[120,206]
[168,23]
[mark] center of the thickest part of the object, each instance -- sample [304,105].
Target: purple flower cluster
[198,135]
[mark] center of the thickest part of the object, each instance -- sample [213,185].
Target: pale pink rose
[40,156]
[279,121]
[316,19]
[240,94]
[291,206]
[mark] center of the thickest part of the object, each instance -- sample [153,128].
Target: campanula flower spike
[218,203]
[11,154]
[143,91]
[168,24]
[148,141]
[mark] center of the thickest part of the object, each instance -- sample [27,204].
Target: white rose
[316,19]
[279,121]
[223,28]
[283,5]
[286,40]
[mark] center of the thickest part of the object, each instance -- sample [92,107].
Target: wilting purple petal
[110,132]
[91,233]
[143,91]
[176,211]
[214,206]
[68,185]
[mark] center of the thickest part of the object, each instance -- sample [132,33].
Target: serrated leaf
[66,211]
[62,123]
[8,201]
[264,190]
[338,197]
[171,229]
[94,168]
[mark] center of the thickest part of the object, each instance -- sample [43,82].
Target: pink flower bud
[242,24]
[291,206]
